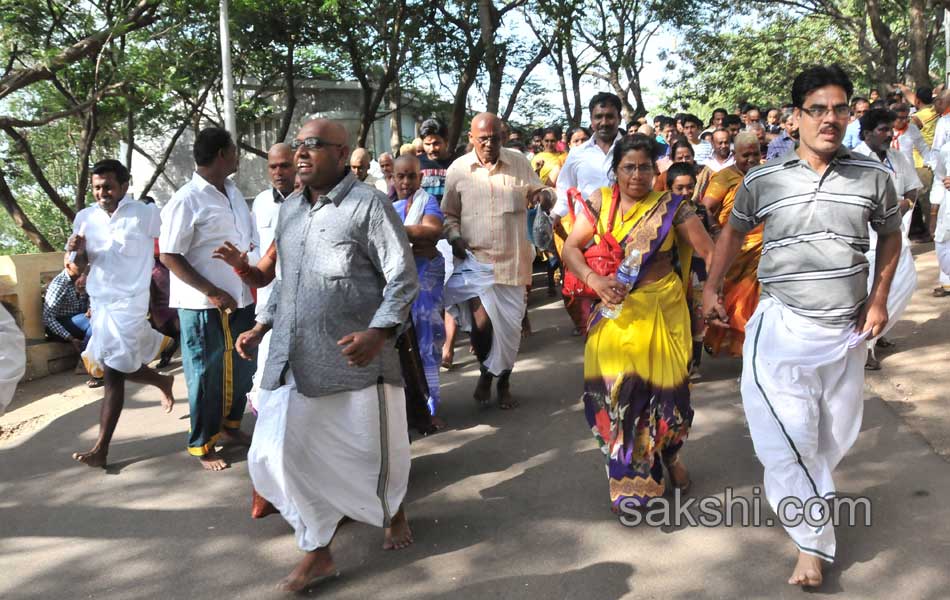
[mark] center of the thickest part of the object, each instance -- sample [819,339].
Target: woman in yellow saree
[636,379]
[741,287]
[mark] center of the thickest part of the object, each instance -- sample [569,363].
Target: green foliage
[755,64]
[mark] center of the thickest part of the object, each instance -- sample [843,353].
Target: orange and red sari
[741,287]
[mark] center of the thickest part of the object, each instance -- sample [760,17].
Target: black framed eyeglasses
[818,112]
[312,143]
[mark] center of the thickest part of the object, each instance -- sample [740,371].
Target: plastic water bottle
[627,276]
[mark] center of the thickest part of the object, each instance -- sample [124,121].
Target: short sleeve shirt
[816,230]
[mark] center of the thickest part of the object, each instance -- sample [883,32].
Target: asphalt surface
[505,504]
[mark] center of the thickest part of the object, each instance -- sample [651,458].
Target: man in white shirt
[266,207]
[722,151]
[214,305]
[877,136]
[114,243]
[587,167]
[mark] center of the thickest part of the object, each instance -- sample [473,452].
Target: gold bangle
[586,277]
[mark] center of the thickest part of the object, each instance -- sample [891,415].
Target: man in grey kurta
[331,440]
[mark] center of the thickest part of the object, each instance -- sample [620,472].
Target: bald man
[331,434]
[487,193]
[359,165]
[385,183]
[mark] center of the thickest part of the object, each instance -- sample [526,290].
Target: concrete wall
[23,280]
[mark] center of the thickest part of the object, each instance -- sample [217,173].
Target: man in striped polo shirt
[803,369]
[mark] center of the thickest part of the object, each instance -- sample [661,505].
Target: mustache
[830,129]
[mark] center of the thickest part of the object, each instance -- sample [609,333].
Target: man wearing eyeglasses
[804,352]
[487,193]
[214,305]
[332,427]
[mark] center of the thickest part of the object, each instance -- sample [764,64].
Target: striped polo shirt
[816,230]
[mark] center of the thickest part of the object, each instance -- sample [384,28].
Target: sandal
[941,292]
[95,382]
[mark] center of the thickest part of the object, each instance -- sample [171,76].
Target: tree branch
[21,219]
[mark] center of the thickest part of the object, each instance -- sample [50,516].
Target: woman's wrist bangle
[586,277]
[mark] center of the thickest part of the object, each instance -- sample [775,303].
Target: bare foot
[94,458]
[212,461]
[168,400]
[679,475]
[482,392]
[398,535]
[235,437]
[448,359]
[315,566]
[439,423]
[807,571]
[505,400]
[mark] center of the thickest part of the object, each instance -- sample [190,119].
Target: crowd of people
[332,303]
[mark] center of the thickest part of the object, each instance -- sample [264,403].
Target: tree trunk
[525,73]
[575,116]
[89,132]
[22,145]
[466,79]
[918,35]
[20,218]
[160,167]
[395,119]
[367,116]
[494,63]
[129,138]
[290,94]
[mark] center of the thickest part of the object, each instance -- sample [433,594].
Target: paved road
[504,505]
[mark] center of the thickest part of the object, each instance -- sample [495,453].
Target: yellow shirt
[551,160]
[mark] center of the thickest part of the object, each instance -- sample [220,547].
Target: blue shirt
[852,135]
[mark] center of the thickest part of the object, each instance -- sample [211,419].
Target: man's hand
[362,347]
[713,310]
[222,300]
[230,254]
[873,318]
[80,283]
[608,288]
[247,343]
[946,183]
[76,243]
[459,248]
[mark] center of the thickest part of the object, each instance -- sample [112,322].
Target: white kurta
[121,255]
[320,459]
[904,284]
[505,305]
[12,357]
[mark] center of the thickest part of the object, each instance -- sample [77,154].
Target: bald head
[407,175]
[359,163]
[486,137]
[386,165]
[321,154]
[281,168]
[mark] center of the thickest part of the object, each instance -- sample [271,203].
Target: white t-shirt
[587,168]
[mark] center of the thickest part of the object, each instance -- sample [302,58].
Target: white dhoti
[943,260]
[505,305]
[122,338]
[902,290]
[320,459]
[12,357]
[802,390]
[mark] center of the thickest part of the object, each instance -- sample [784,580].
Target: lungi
[505,305]
[122,338]
[802,391]
[218,379]
[318,460]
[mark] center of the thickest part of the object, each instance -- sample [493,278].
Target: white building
[338,100]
